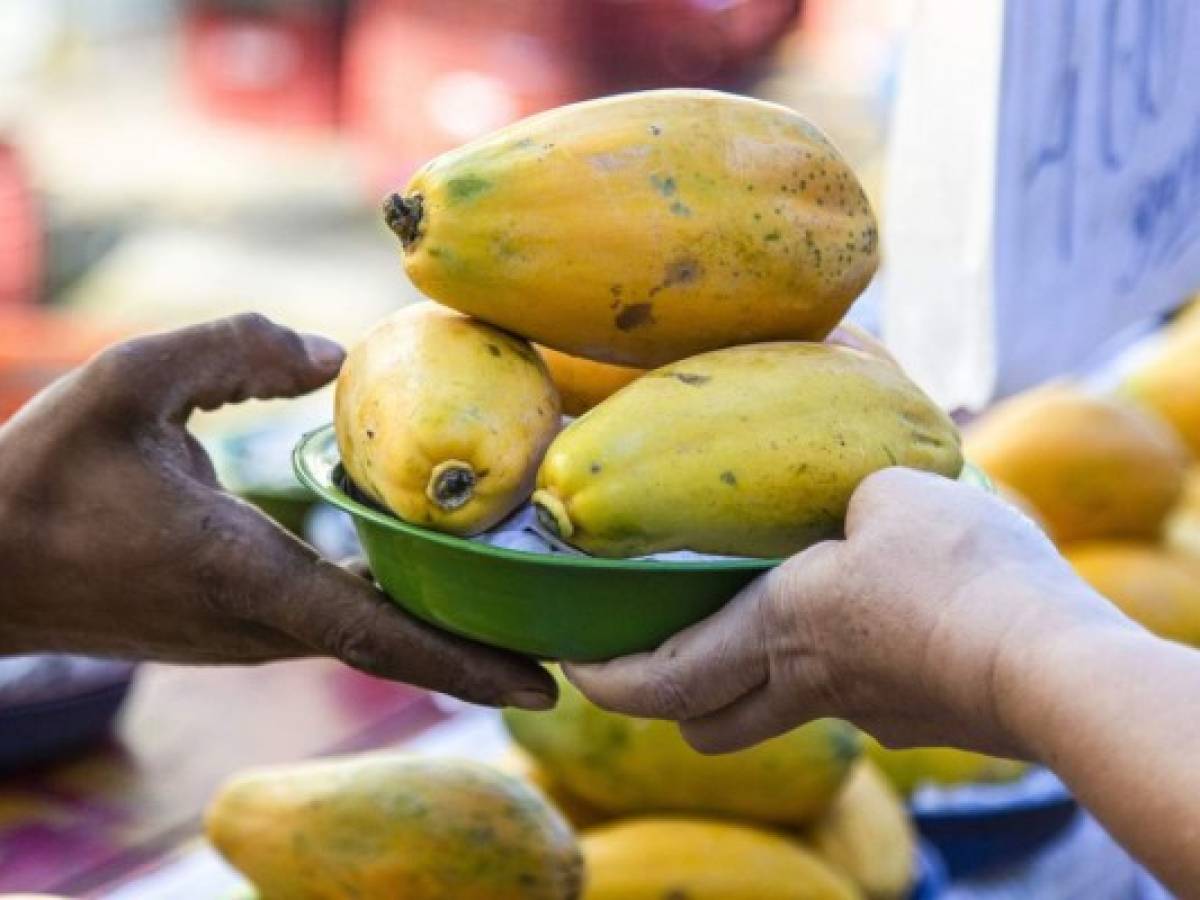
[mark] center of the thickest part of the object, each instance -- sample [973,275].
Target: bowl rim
[315,459]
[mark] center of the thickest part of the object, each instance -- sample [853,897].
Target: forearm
[1116,713]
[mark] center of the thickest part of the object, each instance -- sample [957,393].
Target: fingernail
[322,352]
[536,701]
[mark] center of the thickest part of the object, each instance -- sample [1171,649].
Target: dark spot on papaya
[682,271]
[493,349]
[635,316]
[771,236]
[616,290]
[467,187]
[483,473]
[655,130]
[435,252]
[370,434]
[691,378]
[523,144]
[665,185]
[729,478]
[594,468]
[679,209]
[758,217]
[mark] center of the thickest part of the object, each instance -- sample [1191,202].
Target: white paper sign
[1045,186]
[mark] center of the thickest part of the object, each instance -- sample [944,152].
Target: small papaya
[443,419]
[383,826]
[1151,584]
[643,228]
[747,451]
[666,858]
[626,766]
[868,834]
[1092,466]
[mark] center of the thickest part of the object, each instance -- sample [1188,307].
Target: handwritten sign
[1073,211]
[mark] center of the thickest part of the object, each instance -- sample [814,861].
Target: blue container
[932,879]
[43,731]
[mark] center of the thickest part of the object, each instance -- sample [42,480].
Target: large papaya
[1092,466]
[643,228]
[384,826]
[674,859]
[1169,381]
[1151,584]
[443,419]
[868,834]
[626,766]
[747,451]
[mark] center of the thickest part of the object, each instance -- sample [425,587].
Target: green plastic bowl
[550,606]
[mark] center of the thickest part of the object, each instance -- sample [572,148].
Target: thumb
[226,361]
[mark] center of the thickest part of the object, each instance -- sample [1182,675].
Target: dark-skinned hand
[116,539]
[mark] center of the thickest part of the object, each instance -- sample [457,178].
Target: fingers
[881,493]
[288,587]
[694,673]
[210,365]
[763,714]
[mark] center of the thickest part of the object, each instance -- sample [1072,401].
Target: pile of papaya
[668,269]
[1113,477]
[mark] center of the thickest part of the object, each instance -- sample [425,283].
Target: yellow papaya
[383,826]
[1092,466]
[443,419]
[1183,528]
[582,383]
[747,451]
[663,859]
[577,811]
[643,228]
[868,834]
[945,766]
[628,766]
[1169,382]
[1151,584]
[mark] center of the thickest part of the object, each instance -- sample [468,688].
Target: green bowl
[550,606]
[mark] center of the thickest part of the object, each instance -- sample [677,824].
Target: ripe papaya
[1092,466]
[868,834]
[1151,584]
[747,451]
[1183,528]
[443,419]
[663,858]
[945,766]
[582,383]
[628,766]
[383,826]
[643,228]
[1169,382]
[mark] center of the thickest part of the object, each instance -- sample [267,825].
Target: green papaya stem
[404,216]
[451,484]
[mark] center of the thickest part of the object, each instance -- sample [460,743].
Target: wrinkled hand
[115,537]
[910,628]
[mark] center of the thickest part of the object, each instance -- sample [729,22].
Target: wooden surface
[76,826]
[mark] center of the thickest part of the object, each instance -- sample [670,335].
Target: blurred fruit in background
[267,62]
[1152,585]
[1092,466]
[908,770]
[1169,381]
[1183,529]
[20,233]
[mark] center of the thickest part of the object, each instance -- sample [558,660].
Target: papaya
[747,451]
[1092,466]
[668,858]
[383,826]
[1183,528]
[578,812]
[443,419]
[643,228]
[1169,381]
[868,834]
[909,769]
[582,383]
[627,766]
[1152,585]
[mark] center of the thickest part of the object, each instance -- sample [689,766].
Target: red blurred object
[640,44]
[37,347]
[21,251]
[422,76]
[272,64]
